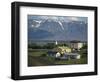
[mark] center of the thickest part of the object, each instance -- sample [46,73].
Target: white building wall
[80,45]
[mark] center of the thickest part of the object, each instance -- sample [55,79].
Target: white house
[58,54]
[54,54]
[76,45]
[73,55]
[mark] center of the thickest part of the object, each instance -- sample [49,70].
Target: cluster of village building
[67,52]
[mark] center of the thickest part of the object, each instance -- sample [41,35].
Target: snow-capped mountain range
[55,29]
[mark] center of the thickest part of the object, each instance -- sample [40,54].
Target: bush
[43,55]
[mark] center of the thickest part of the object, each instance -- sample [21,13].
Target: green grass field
[36,58]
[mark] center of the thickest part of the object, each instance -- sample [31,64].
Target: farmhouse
[76,45]
[73,55]
[54,54]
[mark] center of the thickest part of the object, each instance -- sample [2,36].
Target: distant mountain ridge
[57,30]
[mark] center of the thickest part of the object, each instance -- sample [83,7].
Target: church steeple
[56,43]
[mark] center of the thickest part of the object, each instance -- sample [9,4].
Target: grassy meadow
[39,57]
